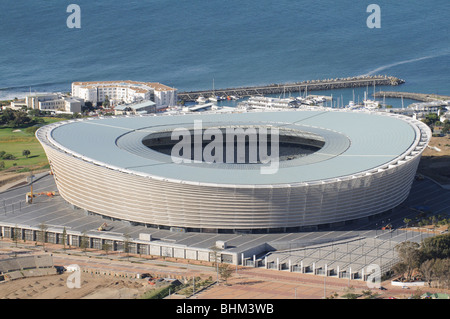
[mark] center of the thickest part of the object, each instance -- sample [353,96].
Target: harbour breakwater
[423,97]
[305,86]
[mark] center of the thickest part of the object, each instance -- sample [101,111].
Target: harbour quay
[423,97]
[311,85]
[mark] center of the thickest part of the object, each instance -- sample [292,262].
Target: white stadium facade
[335,166]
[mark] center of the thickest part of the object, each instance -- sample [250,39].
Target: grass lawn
[15,140]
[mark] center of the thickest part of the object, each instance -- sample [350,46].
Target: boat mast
[374,90]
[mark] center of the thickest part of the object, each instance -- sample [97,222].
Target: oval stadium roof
[355,143]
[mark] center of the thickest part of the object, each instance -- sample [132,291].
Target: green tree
[20,119]
[7,116]
[126,244]
[216,257]
[410,256]
[427,270]
[442,271]
[16,235]
[436,247]
[34,112]
[106,102]
[106,247]
[407,221]
[43,234]
[84,244]
[446,127]
[225,271]
[64,238]
[431,118]
[26,153]
[9,157]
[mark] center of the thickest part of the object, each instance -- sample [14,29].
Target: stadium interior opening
[292,144]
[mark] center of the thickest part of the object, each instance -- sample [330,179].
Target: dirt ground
[12,179]
[91,287]
[245,282]
[250,284]
[436,164]
[9,178]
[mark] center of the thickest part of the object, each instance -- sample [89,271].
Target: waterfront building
[54,102]
[117,92]
[16,105]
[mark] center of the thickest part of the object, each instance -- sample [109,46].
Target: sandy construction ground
[245,283]
[250,284]
[436,164]
[55,287]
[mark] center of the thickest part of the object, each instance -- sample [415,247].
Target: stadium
[334,166]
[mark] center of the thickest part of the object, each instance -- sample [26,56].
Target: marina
[372,102]
[287,88]
[265,103]
[262,102]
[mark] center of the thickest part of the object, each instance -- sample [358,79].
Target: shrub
[8,157]
[31,129]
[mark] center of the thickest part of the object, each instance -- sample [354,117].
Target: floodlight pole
[31,188]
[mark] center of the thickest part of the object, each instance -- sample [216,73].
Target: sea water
[192,44]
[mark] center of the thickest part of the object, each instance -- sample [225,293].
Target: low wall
[27,273]
[407,284]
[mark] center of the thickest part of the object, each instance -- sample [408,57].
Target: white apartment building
[32,101]
[54,102]
[164,95]
[16,105]
[118,92]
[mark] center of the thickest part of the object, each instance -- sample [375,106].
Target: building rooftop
[141,87]
[135,106]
